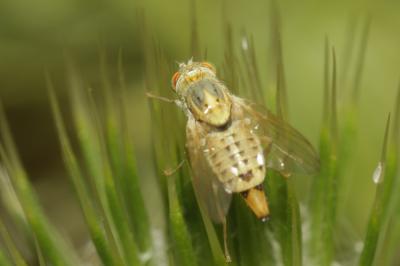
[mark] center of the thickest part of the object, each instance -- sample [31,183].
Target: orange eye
[174,79]
[209,66]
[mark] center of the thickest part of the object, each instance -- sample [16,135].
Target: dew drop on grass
[245,44]
[377,177]
[358,246]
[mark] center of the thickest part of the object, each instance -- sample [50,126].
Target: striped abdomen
[236,157]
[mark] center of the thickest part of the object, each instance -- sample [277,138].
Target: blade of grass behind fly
[215,246]
[250,244]
[197,226]
[184,253]
[229,69]
[324,186]
[50,242]
[289,233]
[383,178]
[130,179]
[194,38]
[285,215]
[348,127]
[275,55]
[105,247]
[251,70]
[159,234]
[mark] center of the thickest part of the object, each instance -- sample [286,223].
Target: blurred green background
[38,35]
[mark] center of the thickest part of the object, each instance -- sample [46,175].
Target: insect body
[236,157]
[231,145]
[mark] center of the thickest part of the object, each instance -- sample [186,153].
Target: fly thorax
[209,102]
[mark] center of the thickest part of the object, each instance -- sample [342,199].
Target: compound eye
[174,79]
[209,66]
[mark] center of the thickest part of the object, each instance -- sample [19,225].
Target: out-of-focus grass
[57,251]
[104,173]
[3,259]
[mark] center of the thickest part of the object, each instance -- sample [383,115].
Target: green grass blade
[10,200]
[253,88]
[394,230]
[92,218]
[93,146]
[194,37]
[215,246]
[118,138]
[348,128]
[383,177]
[324,186]
[13,250]
[390,233]
[40,256]
[360,60]
[184,253]
[230,69]
[289,233]
[4,261]
[167,142]
[285,218]
[90,146]
[130,180]
[114,198]
[251,247]
[50,242]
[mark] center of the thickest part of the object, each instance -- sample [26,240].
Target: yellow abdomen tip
[256,200]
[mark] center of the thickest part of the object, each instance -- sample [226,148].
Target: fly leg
[161,98]
[171,171]
[225,232]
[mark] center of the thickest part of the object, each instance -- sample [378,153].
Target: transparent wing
[210,191]
[286,149]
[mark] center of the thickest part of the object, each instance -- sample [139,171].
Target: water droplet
[358,246]
[377,176]
[145,256]
[245,44]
